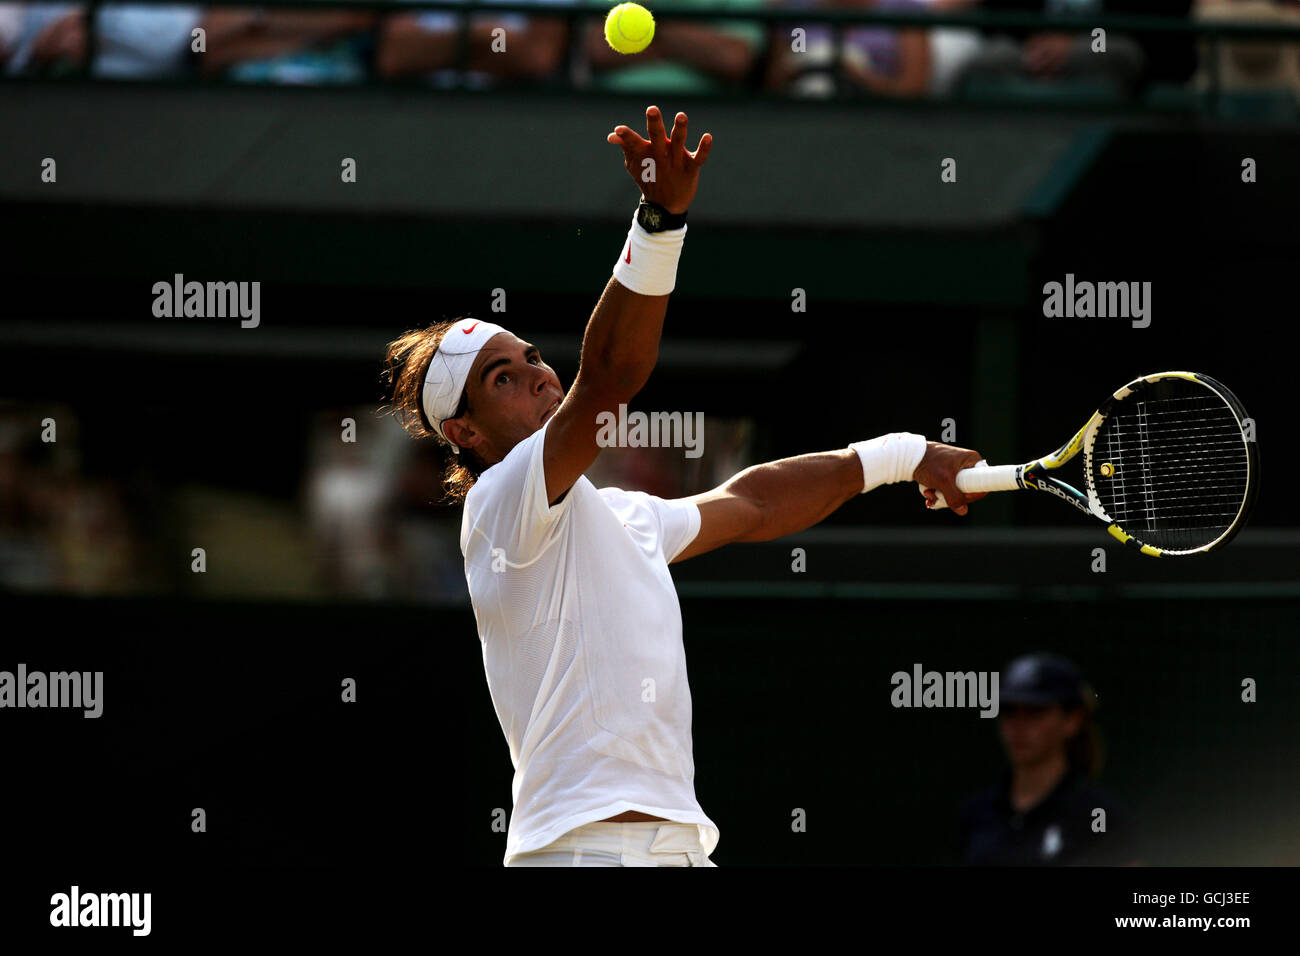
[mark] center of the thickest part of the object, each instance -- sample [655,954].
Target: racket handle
[981,478]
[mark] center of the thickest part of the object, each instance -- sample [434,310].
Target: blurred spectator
[425,537]
[378,529]
[11,27]
[47,37]
[1044,812]
[428,43]
[133,41]
[951,48]
[27,559]
[1252,65]
[253,45]
[59,530]
[687,56]
[880,60]
[93,538]
[1126,64]
[346,498]
[1014,53]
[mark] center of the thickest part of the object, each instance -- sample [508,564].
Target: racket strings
[1180,468]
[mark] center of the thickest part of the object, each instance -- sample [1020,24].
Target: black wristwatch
[653,217]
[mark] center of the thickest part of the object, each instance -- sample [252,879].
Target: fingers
[952,494]
[702,151]
[626,138]
[630,139]
[947,483]
[934,501]
[678,140]
[956,501]
[654,124]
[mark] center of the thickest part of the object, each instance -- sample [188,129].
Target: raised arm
[621,344]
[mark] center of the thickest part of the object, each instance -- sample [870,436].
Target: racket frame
[1036,474]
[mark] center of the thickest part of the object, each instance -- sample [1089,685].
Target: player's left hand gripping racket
[1168,465]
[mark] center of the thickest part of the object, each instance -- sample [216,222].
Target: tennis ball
[629,28]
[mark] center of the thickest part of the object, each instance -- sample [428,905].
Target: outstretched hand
[673,173]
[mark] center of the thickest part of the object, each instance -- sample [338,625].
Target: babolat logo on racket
[1053,490]
[1170,465]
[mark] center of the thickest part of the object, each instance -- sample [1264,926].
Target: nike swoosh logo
[629,252]
[470,329]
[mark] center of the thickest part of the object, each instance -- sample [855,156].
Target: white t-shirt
[577,615]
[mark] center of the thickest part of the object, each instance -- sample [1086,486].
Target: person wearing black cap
[1045,812]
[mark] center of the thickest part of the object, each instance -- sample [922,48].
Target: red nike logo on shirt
[629,252]
[470,329]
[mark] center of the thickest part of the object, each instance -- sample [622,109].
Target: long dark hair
[1086,750]
[406,362]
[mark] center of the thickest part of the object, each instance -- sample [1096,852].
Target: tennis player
[579,622]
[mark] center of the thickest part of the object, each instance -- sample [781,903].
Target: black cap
[1042,680]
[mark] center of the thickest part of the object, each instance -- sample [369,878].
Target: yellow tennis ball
[629,28]
[1107,469]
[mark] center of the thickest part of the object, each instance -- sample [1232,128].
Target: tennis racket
[1168,465]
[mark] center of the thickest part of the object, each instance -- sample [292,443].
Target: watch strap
[653,217]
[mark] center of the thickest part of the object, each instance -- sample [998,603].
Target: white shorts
[650,843]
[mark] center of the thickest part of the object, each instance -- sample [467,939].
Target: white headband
[445,381]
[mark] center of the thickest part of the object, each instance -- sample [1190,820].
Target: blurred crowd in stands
[368,521]
[449,49]
[60,528]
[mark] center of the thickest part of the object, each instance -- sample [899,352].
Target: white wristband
[889,458]
[648,264]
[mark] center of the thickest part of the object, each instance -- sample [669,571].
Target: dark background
[234,707]
[925,304]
